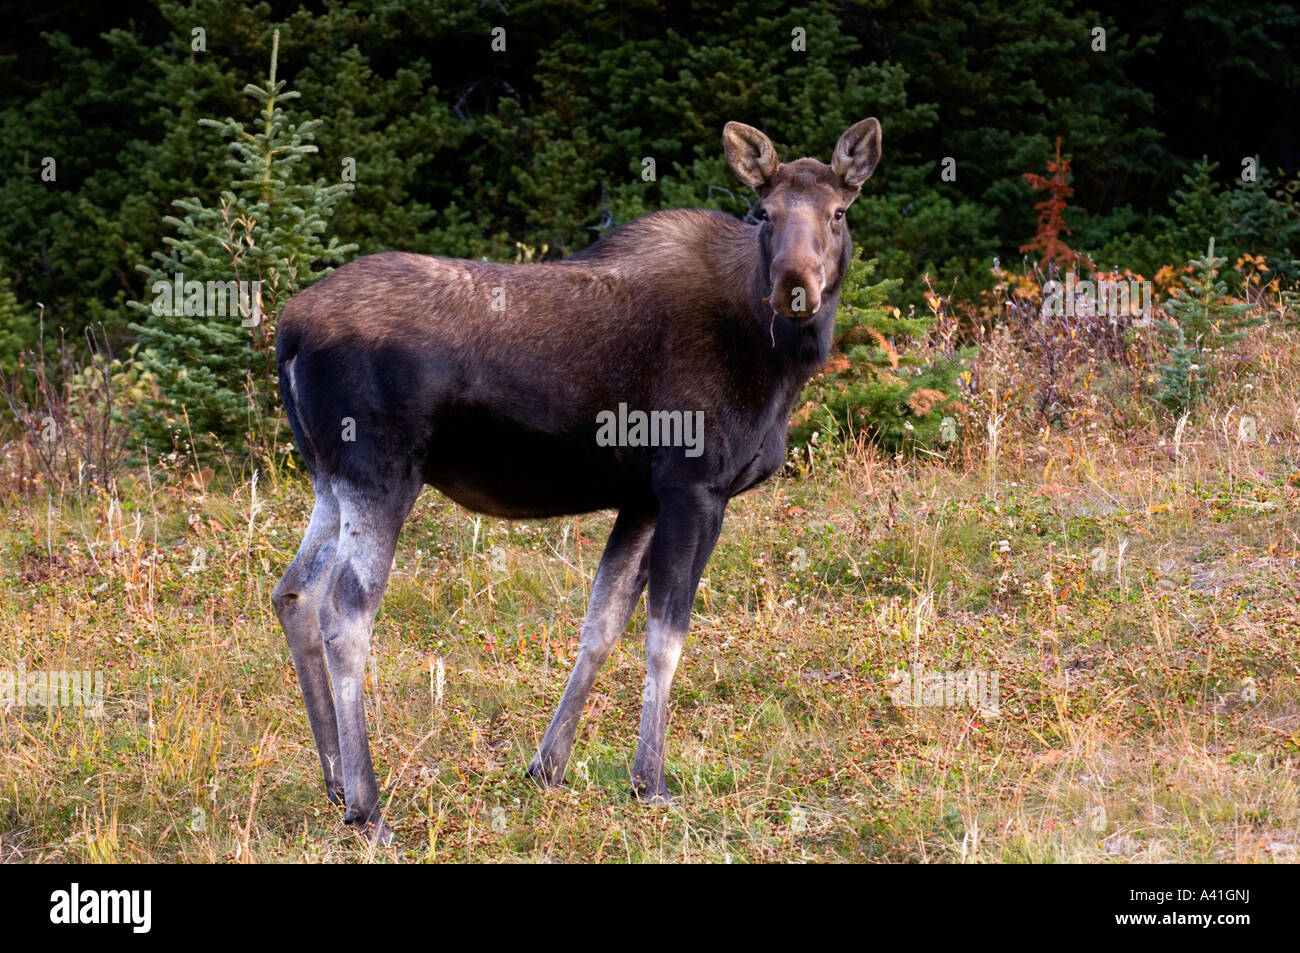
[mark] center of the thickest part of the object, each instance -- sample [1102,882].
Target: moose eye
[839,214]
[761,214]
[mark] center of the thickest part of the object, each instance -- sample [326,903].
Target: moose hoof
[334,793]
[546,780]
[651,797]
[381,835]
[376,832]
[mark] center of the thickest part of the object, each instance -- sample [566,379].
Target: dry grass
[1136,596]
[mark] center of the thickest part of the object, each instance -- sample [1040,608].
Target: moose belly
[510,470]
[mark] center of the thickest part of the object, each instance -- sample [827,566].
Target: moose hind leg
[369,524]
[619,581]
[297,600]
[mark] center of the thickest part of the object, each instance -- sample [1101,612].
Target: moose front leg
[687,530]
[619,581]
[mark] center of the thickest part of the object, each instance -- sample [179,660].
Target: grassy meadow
[1131,583]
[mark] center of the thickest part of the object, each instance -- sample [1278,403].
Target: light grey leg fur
[297,600]
[369,524]
[619,581]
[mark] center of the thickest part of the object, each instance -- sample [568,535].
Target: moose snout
[797,288]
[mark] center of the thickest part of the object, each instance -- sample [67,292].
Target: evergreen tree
[1260,222]
[1201,324]
[1181,385]
[17,328]
[1198,211]
[868,387]
[214,368]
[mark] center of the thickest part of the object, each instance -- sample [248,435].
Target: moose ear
[857,153]
[750,154]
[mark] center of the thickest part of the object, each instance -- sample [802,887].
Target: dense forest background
[535,150]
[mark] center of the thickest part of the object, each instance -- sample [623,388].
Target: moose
[487,380]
